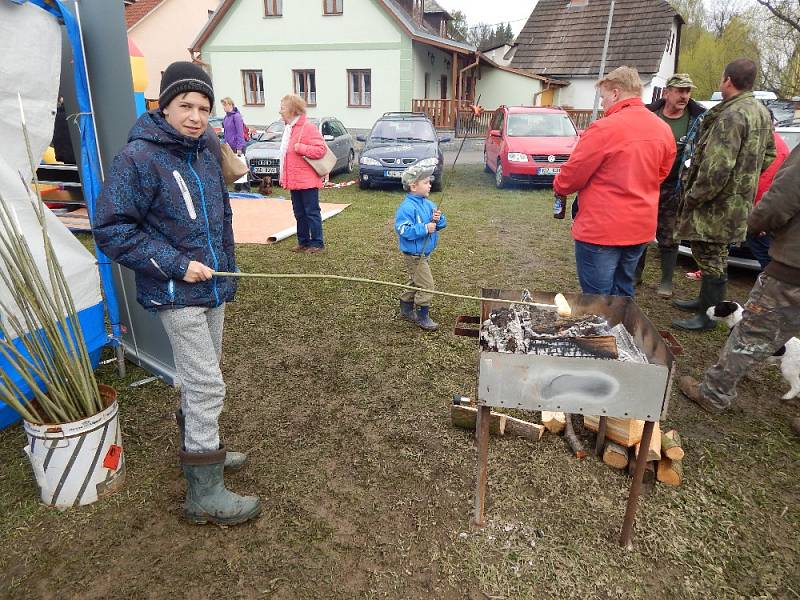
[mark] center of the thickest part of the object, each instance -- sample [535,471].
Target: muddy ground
[343,409]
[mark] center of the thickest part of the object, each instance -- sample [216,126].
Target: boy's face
[421,187]
[188,113]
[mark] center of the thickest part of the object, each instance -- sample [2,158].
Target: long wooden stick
[377,282]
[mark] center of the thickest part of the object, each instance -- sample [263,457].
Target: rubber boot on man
[712,292]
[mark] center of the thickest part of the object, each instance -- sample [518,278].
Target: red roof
[139,10]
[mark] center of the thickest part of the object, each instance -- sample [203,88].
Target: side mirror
[328,138]
[361,138]
[444,139]
[494,133]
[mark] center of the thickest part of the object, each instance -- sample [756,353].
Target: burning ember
[521,329]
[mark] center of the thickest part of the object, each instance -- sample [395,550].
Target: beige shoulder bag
[322,166]
[233,167]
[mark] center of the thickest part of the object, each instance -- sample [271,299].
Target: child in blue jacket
[417,223]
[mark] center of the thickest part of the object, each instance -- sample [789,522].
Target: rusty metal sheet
[574,385]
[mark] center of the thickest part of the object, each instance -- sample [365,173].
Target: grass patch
[344,411]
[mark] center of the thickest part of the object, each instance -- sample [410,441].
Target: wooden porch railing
[441,112]
[468,125]
[582,118]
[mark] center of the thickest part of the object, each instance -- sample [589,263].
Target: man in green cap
[684,116]
[719,188]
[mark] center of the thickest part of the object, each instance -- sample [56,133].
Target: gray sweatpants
[195,333]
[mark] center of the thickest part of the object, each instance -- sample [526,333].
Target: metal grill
[398,161]
[545,158]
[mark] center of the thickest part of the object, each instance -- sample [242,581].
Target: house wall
[578,94]
[441,65]
[363,37]
[665,70]
[498,87]
[164,35]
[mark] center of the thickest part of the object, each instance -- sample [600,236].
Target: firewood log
[615,455]
[649,468]
[626,432]
[654,452]
[572,439]
[520,428]
[466,417]
[554,422]
[670,471]
[671,445]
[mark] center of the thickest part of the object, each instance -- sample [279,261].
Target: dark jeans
[759,246]
[607,270]
[308,216]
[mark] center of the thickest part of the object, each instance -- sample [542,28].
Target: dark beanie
[181,77]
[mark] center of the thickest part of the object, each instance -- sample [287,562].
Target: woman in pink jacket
[302,139]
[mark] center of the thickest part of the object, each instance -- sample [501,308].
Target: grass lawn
[343,409]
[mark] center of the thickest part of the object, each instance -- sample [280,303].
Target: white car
[263,155]
[790,135]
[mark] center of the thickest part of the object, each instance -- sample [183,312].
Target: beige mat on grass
[267,220]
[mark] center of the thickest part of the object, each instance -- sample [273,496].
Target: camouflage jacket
[735,146]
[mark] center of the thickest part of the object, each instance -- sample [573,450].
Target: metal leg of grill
[482,438]
[601,436]
[636,486]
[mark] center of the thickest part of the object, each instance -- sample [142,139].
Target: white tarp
[30,64]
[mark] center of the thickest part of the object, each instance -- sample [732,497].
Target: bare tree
[722,14]
[785,10]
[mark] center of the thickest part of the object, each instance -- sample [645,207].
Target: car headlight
[517,157]
[428,162]
[367,160]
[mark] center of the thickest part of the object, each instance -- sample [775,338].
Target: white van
[760,94]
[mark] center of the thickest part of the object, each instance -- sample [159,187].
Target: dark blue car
[397,141]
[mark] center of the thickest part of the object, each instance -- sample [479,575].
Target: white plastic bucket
[77,463]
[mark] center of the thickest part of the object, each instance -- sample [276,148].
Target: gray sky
[496,11]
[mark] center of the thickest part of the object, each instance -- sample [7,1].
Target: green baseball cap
[416,173]
[681,80]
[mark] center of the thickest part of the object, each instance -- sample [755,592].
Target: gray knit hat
[181,77]
[415,173]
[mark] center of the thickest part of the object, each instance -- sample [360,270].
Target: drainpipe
[603,60]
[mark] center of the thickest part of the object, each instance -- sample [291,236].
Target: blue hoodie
[410,221]
[163,205]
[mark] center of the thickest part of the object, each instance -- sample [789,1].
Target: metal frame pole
[603,59]
[636,486]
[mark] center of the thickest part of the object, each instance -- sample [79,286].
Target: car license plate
[548,170]
[266,170]
[393,173]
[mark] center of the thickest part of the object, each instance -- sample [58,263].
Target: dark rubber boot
[712,292]
[691,305]
[637,274]
[407,311]
[669,256]
[424,320]
[233,460]
[207,499]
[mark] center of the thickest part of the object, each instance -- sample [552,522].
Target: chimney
[418,11]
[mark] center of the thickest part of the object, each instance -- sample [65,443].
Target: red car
[527,144]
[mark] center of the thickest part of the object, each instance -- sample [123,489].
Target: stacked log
[670,467]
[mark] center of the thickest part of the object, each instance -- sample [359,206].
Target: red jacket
[617,168]
[765,181]
[297,173]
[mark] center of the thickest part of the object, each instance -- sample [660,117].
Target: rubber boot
[207,499]
[407,311]
[669,256]
[637,274]
[233,460]
[691,305]
[712,291]
[424,320]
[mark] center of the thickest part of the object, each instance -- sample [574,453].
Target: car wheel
[499,180]
[351,162]
[486,166]
[364,185]
[436,186]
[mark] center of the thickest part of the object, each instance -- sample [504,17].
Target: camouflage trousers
[711,258]
[667,216]
[771,317]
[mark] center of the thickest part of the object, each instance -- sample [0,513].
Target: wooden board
[626,432]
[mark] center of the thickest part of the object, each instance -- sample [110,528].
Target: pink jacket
[297,173]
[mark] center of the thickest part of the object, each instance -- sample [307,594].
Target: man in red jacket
[617,169]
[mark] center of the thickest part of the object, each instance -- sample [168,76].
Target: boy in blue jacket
[417,223]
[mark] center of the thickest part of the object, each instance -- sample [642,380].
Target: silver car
[263,155]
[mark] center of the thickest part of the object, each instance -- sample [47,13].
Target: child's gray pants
[195,333]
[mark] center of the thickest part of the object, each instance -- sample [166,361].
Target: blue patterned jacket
[165,204]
